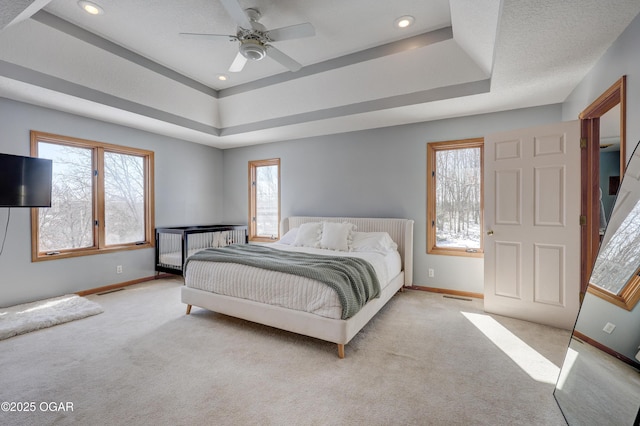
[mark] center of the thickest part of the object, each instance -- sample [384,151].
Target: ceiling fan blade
[220,37]
[291,32]
[236,12]
[238,63]
[283,59]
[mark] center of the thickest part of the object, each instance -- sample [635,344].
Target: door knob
[490,232]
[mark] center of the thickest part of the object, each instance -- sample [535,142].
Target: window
[101,201]
[264,200]
[615,276]
[454,197]
[626,297]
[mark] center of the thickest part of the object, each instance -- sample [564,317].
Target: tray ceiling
[129,65]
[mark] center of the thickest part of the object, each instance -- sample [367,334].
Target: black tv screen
[25,181]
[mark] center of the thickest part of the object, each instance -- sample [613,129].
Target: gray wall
[373,173]
[188,190]
[595,313]
[620,59]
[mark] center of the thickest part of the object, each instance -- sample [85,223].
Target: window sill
[65,254]
[263,239]
[479,253]
[627,299]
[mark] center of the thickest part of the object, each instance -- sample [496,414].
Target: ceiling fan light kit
[253,50]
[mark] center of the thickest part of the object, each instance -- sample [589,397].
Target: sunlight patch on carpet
[528,359]
[33,316]
[569,360]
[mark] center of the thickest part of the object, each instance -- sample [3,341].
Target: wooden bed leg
[188,309]
[340,351]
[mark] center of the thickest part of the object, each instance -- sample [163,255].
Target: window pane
[267,201]
[123,198]
[618,260]
[68,224]
[458,215]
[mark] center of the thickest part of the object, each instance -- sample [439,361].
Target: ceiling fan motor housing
[255,39]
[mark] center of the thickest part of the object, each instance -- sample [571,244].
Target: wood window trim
[253,165]
[626,299]
[99,246]
[432,148]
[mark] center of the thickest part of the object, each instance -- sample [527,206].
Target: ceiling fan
[254,38]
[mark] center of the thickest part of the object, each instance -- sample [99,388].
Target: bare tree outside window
[264,199]
[618,259]
[454,197]
[458,198]
[267,201]
[68,224]
[102,198]
[124,198]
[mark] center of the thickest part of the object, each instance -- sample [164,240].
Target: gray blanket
[353,279]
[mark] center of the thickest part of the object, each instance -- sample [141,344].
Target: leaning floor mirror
[599,383]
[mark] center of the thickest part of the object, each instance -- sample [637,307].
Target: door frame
[590,170]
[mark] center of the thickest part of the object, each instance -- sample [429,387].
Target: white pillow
[379,242]
[308,235]
[336,236]
[290,237]
[222,238]
[215,240]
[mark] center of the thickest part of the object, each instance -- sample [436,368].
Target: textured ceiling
[461,57]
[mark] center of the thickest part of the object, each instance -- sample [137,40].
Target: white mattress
[280,289]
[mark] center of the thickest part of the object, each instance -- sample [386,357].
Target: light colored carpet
[28,317]
[597,388]
[419,362]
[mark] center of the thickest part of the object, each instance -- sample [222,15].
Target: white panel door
[532,211]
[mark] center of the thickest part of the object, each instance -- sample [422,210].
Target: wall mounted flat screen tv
[25,181]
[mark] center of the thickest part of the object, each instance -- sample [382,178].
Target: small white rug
[33,316]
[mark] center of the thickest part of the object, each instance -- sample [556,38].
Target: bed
[223,287]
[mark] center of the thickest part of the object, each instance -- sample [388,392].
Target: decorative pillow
[215,239]
[379,242]
[336,236]
[223,238]
[290,237]
[308,235]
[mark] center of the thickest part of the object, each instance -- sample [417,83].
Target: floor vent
[110,291]
[457,297]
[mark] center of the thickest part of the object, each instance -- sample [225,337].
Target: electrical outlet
[431,273]
[609,328]
[119,269]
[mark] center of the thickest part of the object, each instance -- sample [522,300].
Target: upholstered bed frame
[333,330]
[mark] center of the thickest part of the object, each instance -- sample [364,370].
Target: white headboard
[400,230]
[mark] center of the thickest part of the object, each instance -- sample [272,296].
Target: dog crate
[175,244]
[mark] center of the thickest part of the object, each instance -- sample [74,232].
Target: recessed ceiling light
[404,21]
[90,8]
[223,77]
